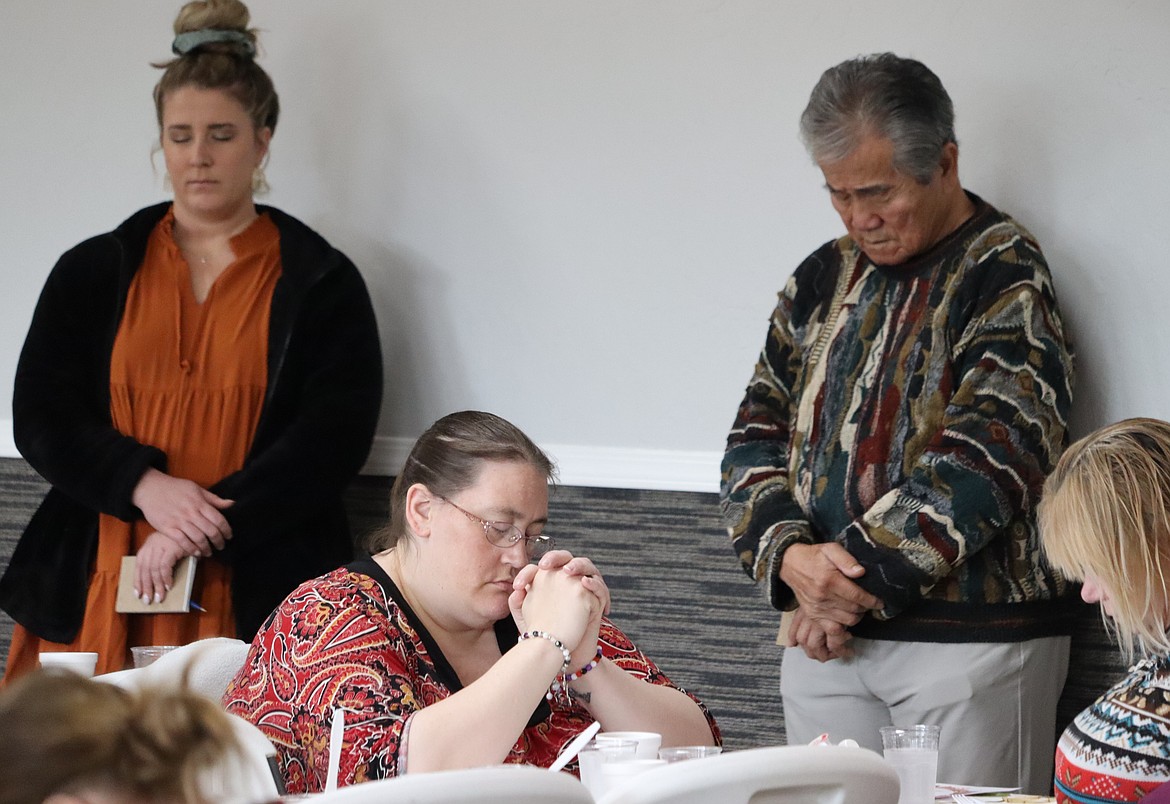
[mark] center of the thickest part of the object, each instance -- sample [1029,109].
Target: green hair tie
[186,42]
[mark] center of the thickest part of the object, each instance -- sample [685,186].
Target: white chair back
[213,663]
[246,779]
[499,784]
[210,664]
[799,774]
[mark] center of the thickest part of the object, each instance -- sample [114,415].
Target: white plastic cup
[146,655]
[913,751]
[79,662]
[648,741]
[616,774]
[598,752]
[677,753]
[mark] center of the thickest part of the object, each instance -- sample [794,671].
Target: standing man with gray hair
[882,473]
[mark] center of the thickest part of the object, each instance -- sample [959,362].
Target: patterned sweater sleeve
[759,511]
[1003,427]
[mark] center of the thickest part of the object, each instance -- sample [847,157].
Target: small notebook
[177,600]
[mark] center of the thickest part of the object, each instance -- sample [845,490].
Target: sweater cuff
[780,595]
[146,458]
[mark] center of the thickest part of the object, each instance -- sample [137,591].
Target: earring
[259,182]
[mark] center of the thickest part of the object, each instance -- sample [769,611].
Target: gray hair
[885,95]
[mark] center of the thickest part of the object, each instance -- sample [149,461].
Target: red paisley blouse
[348,639]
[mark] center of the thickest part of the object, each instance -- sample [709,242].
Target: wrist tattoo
[583,697]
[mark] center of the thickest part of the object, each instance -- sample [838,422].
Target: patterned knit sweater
[1119,748]
[915,428]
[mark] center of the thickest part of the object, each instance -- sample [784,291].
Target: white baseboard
[602,467]
[623,468]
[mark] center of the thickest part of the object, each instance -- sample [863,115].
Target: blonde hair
[226,65]
[1105,512]
[61,733]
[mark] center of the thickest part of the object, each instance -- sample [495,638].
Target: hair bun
[191,40]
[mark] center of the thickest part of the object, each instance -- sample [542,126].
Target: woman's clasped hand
[565,597]
[187,521]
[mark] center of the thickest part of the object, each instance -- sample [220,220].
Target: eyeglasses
[505,534]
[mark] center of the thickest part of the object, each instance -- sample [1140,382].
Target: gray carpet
[677,590]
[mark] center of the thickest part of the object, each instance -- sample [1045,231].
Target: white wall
[577,215]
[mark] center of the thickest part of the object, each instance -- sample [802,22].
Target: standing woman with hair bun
[203,381]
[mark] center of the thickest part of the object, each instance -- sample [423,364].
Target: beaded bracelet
[560,645]
[560,684]
[569,679]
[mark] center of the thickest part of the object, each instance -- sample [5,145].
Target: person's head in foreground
[882,130]
[1105,519]
[65,739]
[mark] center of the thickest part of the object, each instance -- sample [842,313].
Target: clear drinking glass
[913,751]
[145,655]
[648,741]
[679,752]
[597,752]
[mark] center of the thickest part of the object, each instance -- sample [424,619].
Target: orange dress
[188,378]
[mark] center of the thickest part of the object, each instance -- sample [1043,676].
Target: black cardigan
[317,423]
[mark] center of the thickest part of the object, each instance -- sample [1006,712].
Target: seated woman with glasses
[447,648]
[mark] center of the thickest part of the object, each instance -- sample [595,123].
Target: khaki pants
[995,702]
